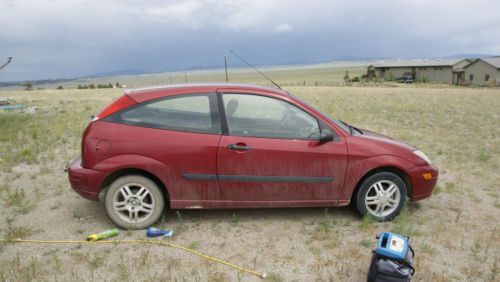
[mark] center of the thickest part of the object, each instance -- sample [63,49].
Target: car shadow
[251,214]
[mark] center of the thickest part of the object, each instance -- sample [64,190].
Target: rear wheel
[381,196]
[134,202]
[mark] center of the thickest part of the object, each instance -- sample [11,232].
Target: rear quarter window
[191,113]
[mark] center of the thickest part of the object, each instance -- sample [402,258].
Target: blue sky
[64,38]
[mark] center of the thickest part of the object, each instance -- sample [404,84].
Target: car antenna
[261,73]
[8,62]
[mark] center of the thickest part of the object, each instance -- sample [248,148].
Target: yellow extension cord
[151,242]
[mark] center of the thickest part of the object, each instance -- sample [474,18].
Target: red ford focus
[238,146]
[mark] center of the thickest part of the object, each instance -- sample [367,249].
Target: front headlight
[422,155]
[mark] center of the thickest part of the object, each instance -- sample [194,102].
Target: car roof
[147,93]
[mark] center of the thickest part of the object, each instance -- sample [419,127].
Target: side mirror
[325,136]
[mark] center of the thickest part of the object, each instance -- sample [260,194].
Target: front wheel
[134,202]
[381,196]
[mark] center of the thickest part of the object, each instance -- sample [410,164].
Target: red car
[238,146]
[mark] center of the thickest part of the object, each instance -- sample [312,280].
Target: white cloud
[283,28]
[68,38]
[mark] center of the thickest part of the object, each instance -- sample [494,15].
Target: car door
[272,152]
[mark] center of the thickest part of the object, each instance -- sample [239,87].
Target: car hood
[371,144]
[380,138]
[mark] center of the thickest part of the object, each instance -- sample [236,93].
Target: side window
[260,116]
[192,113]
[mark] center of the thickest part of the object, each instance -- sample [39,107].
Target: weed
[173,264]
[17,199]
[78,214]
[129,232]
[484,156]
[274,277]
[95,260]
[366,243]
[181,225]
[194,245]
[403,225]
[367,222]
[57,262]
[314,250]
[144,257]
[122,270]
[449,187]
[494,270]
[234,220]
[437,190]
[56,206]
[217,277]
[240,276]
[428,249]
[30,273]
[458,215]
[18,232]
[322,230]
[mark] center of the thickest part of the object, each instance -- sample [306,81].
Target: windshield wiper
[357,129]
[352,128]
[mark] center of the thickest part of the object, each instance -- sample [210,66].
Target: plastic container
[102,235]
[392,245]
[156,232]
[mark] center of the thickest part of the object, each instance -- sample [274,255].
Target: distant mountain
[35,82]
[117,73]
[356,58]
[468,55]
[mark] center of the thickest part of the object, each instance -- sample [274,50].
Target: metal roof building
[485,71]
[439,70]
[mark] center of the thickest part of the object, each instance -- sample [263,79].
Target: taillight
[120,104]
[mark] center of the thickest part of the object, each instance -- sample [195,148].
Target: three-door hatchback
[238,146]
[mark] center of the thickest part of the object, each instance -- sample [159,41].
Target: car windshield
[342,125]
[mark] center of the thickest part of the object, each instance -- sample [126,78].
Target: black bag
[383,268]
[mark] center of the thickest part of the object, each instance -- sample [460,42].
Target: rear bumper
[85,182]
[422,188]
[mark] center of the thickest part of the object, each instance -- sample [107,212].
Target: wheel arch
[399,172]
[133,171]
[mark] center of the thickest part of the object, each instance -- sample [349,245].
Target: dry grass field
[455,233]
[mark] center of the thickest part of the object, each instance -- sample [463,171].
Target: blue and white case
[392,245]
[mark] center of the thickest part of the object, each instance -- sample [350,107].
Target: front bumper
[421,187]
[86,182]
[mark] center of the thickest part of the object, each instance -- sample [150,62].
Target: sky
[72,38]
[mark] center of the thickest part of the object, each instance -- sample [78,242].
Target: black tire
[154,202]
[385,179]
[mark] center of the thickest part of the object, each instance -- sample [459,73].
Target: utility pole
[225,66]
